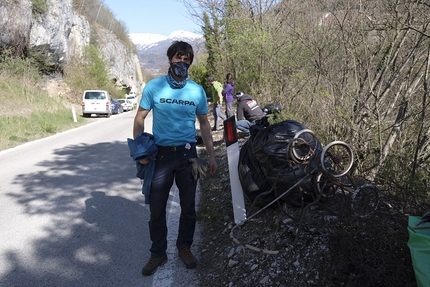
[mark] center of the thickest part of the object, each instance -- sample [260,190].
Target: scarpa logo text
[178,102]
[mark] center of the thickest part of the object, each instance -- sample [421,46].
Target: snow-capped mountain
[147,40]
[144,40]
[152,48]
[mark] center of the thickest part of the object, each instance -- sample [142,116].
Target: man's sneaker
[188,258]
[153,264]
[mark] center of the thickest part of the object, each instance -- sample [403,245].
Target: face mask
[180,69]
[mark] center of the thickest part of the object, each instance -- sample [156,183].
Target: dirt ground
[330,243]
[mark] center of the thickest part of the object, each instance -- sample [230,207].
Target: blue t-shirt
[174,110]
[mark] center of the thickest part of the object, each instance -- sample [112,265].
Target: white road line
[164,275]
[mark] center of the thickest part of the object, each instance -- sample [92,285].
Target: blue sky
[153,16]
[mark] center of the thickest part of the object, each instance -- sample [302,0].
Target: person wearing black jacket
[248,112]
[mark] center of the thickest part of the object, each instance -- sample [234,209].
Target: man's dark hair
[181,48]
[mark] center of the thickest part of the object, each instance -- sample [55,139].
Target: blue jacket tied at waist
[144,147]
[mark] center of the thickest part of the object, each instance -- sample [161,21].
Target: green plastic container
[419,245]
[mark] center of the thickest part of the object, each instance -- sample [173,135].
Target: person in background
[176,102]
[248,112]
[217,102]
[228,93]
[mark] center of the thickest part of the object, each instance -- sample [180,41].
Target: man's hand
[199,167]
[144,161]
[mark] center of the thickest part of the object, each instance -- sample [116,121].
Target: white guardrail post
[74,114]
[230,137]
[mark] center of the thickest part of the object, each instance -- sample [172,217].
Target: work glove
[199,167]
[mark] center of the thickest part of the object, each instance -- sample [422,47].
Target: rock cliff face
[15,24]
[62,34]
[124,66]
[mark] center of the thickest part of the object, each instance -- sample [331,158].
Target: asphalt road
[72,213]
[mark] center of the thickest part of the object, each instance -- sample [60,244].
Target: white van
[96,102]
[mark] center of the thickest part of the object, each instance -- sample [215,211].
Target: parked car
[132,98]
[116,107]
[120,107]
[96,102]
[126,105]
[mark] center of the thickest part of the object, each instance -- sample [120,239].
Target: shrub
[40,7]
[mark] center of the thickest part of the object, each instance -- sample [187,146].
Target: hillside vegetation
[355,71]
[95,12]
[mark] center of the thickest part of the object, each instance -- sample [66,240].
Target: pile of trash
[266,170]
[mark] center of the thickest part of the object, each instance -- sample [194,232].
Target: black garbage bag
[266,153]
[252,178]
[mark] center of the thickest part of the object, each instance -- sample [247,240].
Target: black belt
[176,148]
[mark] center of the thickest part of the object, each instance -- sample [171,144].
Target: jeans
[244,125]
[229,109]
[217,114]
[172,165]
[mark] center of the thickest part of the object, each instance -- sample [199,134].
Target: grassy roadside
[16,130]
[30,113]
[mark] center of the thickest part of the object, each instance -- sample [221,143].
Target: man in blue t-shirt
[176,102]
